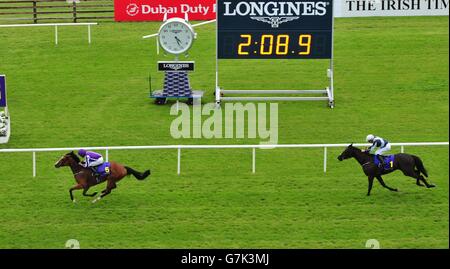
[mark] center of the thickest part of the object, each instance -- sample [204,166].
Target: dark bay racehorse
[85,178]
[410,165]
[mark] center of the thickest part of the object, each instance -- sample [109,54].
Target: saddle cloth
[104,169]
[388,161]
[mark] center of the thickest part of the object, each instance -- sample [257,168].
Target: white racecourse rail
[88,24]
[180,147]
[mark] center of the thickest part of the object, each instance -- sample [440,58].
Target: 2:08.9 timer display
[288,29]
[269,44]
[260,45]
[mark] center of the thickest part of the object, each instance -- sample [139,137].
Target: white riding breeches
[380,151]
[95,163]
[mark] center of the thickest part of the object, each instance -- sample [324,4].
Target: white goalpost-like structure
[88,24]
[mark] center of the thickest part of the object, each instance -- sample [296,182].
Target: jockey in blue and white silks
[377,142]
[91,159]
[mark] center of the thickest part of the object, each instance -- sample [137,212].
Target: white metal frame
[328,92]
[180,147]
[88,24]
[193,26]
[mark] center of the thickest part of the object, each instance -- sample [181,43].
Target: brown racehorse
[85,178]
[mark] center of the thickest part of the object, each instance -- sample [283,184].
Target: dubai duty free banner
[154,10]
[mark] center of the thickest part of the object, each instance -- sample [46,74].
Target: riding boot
[95,173]
[94,170]
[381,164]
[101,177]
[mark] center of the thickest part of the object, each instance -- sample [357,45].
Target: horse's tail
[419,165]
[136,174]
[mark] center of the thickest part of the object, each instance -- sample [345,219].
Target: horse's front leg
[380,179]
[76,187]
[370,185]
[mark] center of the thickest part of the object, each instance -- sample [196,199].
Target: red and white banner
[154,10]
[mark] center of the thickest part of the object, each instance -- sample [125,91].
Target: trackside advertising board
[369,8]
[2,91]
[154,10]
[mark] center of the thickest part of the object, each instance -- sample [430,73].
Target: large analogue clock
[176,36]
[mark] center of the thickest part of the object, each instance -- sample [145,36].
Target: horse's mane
[74,156]
[366,153]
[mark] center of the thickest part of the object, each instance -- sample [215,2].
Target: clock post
[175,37]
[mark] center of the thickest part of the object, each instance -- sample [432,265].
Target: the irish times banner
[154,10]
[368,8]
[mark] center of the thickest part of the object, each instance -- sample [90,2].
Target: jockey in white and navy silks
[91,159]
[377,142]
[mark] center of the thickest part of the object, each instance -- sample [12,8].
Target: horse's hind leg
[85,192]
[416,175]
[416,172]
[380,179]
[425,181]
[418,183]
[111,185]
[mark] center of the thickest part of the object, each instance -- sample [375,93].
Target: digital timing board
[287,29]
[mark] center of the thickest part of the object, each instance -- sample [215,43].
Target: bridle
[364,164]
[74,174]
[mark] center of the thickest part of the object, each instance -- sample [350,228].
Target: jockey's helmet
[370,138]
[82,152]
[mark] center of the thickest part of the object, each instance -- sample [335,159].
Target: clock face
[176,36]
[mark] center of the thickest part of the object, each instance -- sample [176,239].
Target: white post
[325,159]
[107,155]
[402,149]
[157,46]
[253,160]
[56,34]
[179,161]
[217,89]
[34,164]
[89,33]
